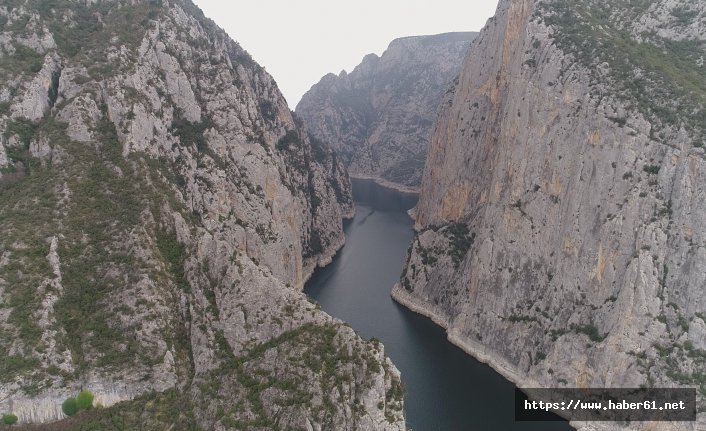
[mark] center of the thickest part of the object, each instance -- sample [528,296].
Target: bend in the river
[445,388]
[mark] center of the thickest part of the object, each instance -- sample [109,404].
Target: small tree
[84,400]
[70,407]
[9,419]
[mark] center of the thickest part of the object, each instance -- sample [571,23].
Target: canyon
[379,117]
[162,209]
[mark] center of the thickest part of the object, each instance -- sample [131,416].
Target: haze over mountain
[299,42]
[379,117]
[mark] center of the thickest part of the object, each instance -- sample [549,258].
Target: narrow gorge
[181,246]
[379,117]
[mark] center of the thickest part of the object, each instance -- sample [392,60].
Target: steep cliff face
[160,210]
[379,117]
[561,229]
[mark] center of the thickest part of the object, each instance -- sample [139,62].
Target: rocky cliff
[560,223]
[379,117]
[160,210]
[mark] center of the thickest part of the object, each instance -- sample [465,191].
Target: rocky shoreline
[386,183]
[484,355]
[323,260]
[477,350]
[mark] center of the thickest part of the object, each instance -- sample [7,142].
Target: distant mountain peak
[379,116]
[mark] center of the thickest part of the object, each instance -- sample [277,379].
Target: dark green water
[445,388]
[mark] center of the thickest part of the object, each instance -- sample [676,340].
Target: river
[446,389]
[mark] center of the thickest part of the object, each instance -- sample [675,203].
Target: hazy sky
[299,41]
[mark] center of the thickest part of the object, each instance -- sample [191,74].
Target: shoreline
[321,261]
[387,184]
[326,257]
[476,350]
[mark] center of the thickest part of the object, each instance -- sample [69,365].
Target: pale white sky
[299,41]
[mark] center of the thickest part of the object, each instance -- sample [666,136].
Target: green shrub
[84,400]
[173,251]
[590,331]
[70,407]
[651,169]
[191,133]
[460,241]
[9,419]
[291,138]
[684,15]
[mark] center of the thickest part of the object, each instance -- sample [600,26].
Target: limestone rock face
[560,222]
[379,117]
[161,209]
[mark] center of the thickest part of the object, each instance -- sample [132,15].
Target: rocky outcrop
[559,229]
[379,117]
[161,210]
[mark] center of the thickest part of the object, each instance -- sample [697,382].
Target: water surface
[446,389]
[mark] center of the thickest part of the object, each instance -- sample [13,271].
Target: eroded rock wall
[560,229]
[161,210]
[379,117]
